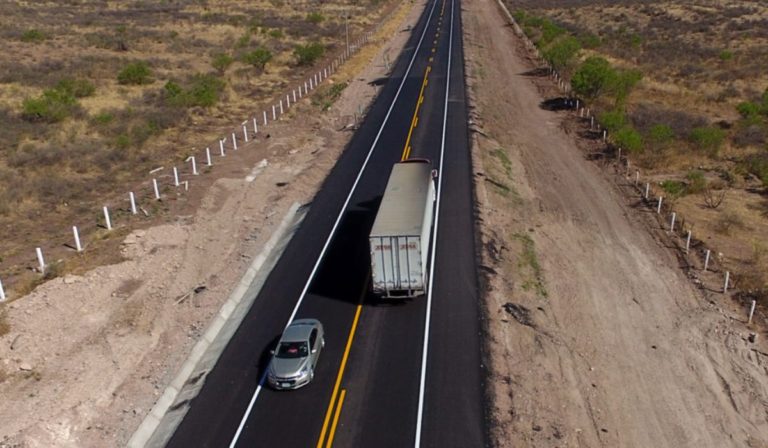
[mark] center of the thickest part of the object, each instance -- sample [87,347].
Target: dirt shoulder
[85,357]
[597,338]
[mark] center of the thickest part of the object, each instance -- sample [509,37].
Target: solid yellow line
[336,418]
[341,370]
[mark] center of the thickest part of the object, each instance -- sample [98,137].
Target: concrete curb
[158,426]
[512,21]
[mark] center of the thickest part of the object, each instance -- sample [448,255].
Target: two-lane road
[391,375]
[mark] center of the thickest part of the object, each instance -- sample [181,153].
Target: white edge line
[425,344]
[338,220]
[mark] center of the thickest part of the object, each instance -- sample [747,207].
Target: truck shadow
[345,271]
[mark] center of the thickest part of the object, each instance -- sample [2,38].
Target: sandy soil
[87,356]
[596,337]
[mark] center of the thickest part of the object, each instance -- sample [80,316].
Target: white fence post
[637,177]
[751,310]
[106,218]
[2,292]
[725,285]
[157,190]
[221,148]
[294,94]
[688,242]
[78,246]
[647,188]
[281,107]
[132,198]
[706,260]
[265,117]
[255,126]
[40,259]
[208,156]
[672,223]
[194,164]
[175,176]
[274,113]
[245,132]
[605,135]
[234,141]
[658,208]
[305,88]
[288,100]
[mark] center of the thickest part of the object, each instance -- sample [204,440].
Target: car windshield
[292,350]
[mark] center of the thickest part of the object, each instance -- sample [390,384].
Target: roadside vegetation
[681,87]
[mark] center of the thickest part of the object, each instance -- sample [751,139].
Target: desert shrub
[757,165]
[727,222]
[78,88]
[726,55]
[52,106]
[593,77]
[562,52]
[749,110]
[243,41]
[673,188]
[589,40]
[275,34]
[33,35]
[549,32]
[315,17]
[629,139]
[750,134]
[613,120]
[135,73]
[221,62]
[309,53]
[709,139]
[659,137]
[203,91]
[645,116]
[696,182]
[258,58]
[5,326]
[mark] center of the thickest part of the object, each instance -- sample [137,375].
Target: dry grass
[699,60]
[5,326]
[53,173]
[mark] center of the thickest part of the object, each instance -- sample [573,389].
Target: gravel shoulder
[597,338]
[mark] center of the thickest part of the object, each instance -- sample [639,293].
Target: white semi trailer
[400,237]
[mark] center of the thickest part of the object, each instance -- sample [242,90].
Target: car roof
[299,330]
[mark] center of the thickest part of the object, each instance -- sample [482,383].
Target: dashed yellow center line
[336,418]
[340,375]
[415,119]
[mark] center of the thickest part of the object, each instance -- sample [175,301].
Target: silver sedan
[295,358]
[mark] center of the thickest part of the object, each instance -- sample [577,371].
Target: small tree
[659,137]
[309,53]
[593,77]
[622,83]
[258,58]
[562,52]
[136,73]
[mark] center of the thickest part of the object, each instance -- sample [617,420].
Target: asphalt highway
[393,374]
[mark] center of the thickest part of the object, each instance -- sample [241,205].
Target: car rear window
[292,350]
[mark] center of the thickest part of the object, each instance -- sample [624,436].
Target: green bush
[52,106]
[203,91]
[221,62]
[621,84]
[33,35]
[258,58]
[629,139]
[589,40]
[549,32]
[276,34]
[315,17]
[135,73]
[309,53]
[103,118]
[243,41]
[613,120]
[696,182]
[749,110]
[709,139]
[758,165]
[78,88]
[562,52]
[726,55]
[673,188]
[593,77]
